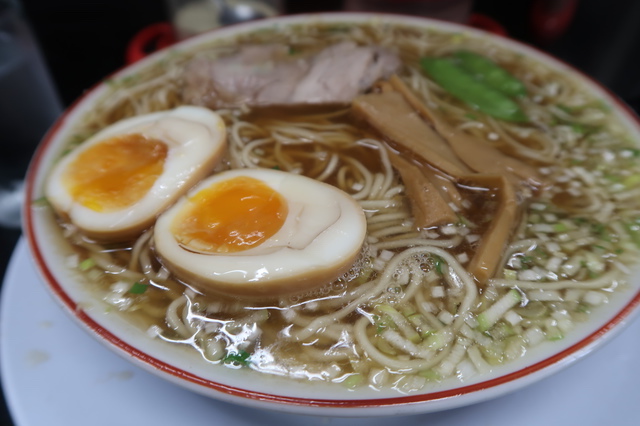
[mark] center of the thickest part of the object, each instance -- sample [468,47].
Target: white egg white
[319,241]
[196,141]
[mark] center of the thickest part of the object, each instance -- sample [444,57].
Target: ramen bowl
[557,293]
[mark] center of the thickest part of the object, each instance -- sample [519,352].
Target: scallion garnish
[87,264]
[138,288]
[40,202]
[241,357]
[437,260]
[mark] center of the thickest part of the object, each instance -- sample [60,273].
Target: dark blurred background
[84,41]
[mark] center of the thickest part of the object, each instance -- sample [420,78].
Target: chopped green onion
[353,380]
[510,274]
[430,374]
[533,309]
[438,262]
[634,233]
[87,264]
[565,108]
[583,308]
[439,339]
[383,322]
[40,202]
[138,288]
[553,333]
[490,317]
[462,221]
[631,181]
[560,227]
[400,322]
[501,331]
[241,357]
[578,128]
[364,276]
[634,151]
[130,79]
[407,310]
[542,254]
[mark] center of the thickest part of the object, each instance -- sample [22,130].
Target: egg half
[260,233]
[114,185]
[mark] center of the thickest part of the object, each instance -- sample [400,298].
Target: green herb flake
[631,181]
[353,381]
[365,276]
[613,178]
[462,221]
[438,264]
[555,337]
[583,308]
[40,202]
[430,374]
[560,227]
[528,260]
[578,128]
[130,79]
[241,357]
[383,323]
[602,106]
[138,288]
[541,254]
[565,108]
[87,264]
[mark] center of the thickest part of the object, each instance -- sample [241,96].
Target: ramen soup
[368,205]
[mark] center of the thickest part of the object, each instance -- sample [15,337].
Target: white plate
[54,373]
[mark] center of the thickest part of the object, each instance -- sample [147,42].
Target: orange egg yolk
[230,216]
[115,173]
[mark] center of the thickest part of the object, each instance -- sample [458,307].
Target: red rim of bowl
[177,373]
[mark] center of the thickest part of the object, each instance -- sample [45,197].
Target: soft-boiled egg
[260,233]
[115,184]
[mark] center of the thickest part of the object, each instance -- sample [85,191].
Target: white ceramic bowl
[250,388]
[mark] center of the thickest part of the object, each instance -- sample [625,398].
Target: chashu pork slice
[260,75]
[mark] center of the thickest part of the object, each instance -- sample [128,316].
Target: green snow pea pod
[465,87]
[484,69]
